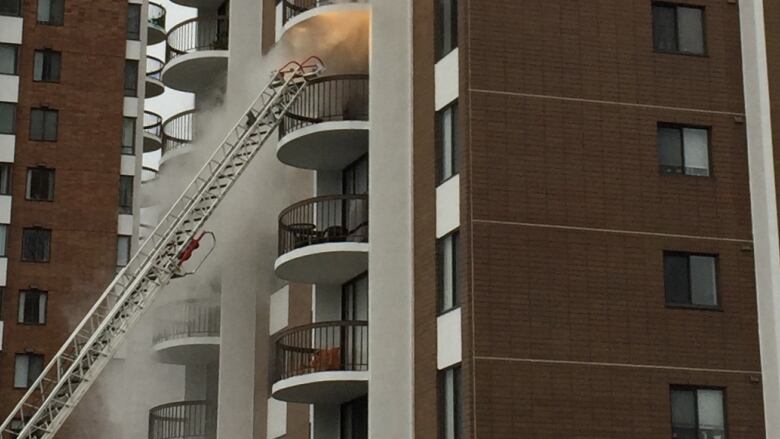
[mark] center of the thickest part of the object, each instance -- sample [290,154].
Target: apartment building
[572,214]
[70,154]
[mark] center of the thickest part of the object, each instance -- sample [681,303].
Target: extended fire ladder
[69,374]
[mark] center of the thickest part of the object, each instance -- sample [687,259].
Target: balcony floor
[195,71]
[322,387]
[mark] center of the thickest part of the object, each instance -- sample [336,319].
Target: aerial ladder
[51,399]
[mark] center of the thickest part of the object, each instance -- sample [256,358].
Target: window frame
[18,10]
[13,119]
[441,384]
[680,127]
[676,6]
[695,389]
[16,58]
[129,254]
[126,209]
[29,354]
[456,287]
[454,108]
[134,36]
[51,186]
[4,248]
[49,22]
[39,293]
[125,148]
[10,175]
[691,305]
[443,48]
[46,61]
[48,256]
[46,111]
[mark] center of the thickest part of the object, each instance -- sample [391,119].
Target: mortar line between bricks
[617,231]
[621,365]
[597,101]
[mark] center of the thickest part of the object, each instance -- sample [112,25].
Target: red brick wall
[83,216]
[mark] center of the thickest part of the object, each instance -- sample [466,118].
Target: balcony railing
[156,15]
[183,420]
[177,132]
[328,99]
[148,173]
[152,123]
[197,34]
[154,67]
[192,318]
[326,219]
[291,8]
[321,347]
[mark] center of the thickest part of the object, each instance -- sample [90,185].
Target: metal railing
[154,67]
[191,318]
[328,99]
[321,347]
[177,132]
[148,173]
[152,123]
[183,420]
[156,15]
[197,34]
[291,8]
[330,218]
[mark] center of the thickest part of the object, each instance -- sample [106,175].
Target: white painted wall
[280,310]
[763,203]
[7,147]
[327,422]
[390,401]
[9,88]
[448,206]
[447,80]
[277,418]
[448,334]
[11,29]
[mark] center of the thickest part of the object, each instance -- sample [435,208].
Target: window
[131,78]
[447,141]
[46,65]
[7,118]
[684,150]
[3,240]
[446,27]
[128,136]
[11,7]
[40,184]
[5,178]
[9,56]
[690,279]
[32,307]
[2,293]
[134,21]
[122,250]
[697,413]
[43,124]
[51,12]
[36,244]
[447,271]
[28,367]
[450,404]
[678,29]
[354,419]
[126,195]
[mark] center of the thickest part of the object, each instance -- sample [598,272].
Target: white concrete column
[763,202]
[390,395]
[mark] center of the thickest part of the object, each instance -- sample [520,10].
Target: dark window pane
[676,279]
[131,78]
[703,281]
[3,243]
[447,140]
[36,367]
[8,59]
[690,28]
[40,184]
[51,11]
[122,250]
[36,245]
[46,66]
[446,27]
[670,150]
[125,195]
[447,283]
[133,21]
[32,307]
[128,136]
[665,28]
[10,7]
[43,124]
[697,151]
[5,178]
[7,118]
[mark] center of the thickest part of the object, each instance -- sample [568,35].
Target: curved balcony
[196,52]
[325,362]
[154,84]
[294,12]
[177,135]
[187,332]
[156,24]
[206,5]
[324,240]
[327,126]
[183,420]
[152,131]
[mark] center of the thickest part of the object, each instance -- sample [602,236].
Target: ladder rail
[159,260]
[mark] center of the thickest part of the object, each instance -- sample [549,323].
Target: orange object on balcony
[326,359]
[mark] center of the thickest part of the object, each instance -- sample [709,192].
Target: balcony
[183,420]
[187,332]
[294,12]
[177,135]
[156,24]
[154,85]
[196,52]
[152,131]
[206,5]
[324,240]
[327,127]
[325,362]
